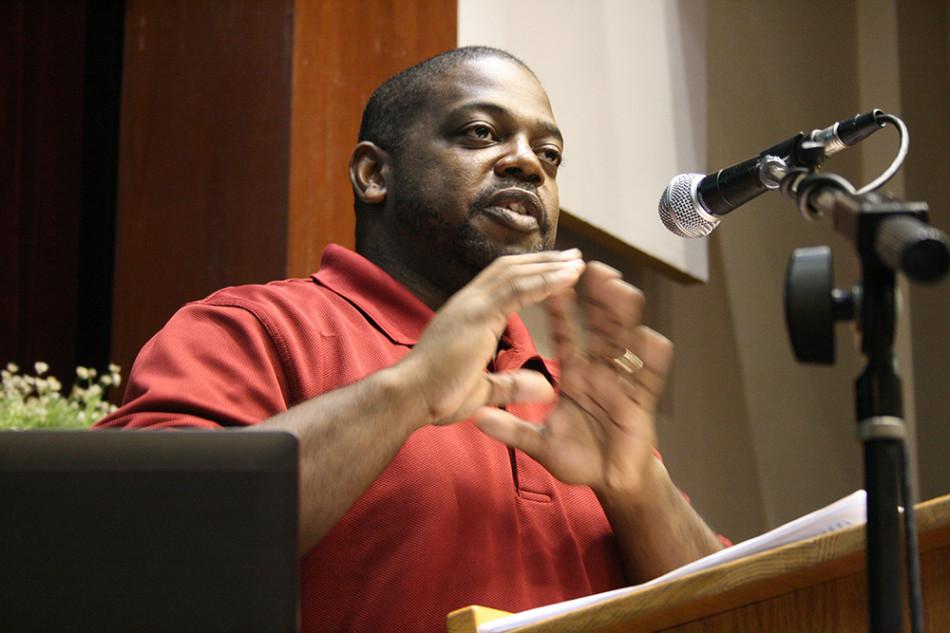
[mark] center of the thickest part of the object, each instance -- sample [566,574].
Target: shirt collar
[399,314]
[516,349]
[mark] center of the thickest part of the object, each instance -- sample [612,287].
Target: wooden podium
[814,586]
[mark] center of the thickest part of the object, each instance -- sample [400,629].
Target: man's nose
[520,161]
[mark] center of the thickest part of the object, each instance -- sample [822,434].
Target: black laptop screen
[148,531]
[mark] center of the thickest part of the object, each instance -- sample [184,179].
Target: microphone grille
[681,211]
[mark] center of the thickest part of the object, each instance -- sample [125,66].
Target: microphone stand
[889,235]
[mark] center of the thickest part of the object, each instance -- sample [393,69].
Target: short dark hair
[393,106]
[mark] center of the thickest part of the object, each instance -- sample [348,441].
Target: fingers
[563,324]
[447,365]
[623,358]
[603,426]
[513,431]
[523,385]
[612,308]
[644,386]
[656,351]
[515,281]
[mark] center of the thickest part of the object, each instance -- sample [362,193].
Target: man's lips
[518,208]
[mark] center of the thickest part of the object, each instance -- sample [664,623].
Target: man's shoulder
[298,300]
[263,294]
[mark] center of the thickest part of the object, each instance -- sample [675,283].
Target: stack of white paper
[843,513]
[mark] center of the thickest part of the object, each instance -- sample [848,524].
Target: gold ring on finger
[629,362]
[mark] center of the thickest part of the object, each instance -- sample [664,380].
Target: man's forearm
[656,528]
[347,438]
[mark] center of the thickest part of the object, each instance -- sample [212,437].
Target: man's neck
[424,290]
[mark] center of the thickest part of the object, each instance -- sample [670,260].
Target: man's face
[476,176]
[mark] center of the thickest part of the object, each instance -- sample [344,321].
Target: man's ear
[369,168]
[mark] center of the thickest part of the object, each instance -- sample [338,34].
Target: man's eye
[481,132]
[550,155]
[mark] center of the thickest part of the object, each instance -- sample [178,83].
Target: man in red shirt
[443,462]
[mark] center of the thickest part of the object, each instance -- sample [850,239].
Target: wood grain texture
[468,619]
[342,51]
[237,123]
[816,586]
[204,156]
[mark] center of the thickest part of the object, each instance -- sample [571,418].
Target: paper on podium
[846,512]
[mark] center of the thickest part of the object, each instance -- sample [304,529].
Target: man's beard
[450,255]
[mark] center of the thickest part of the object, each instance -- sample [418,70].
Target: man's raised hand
[447,366]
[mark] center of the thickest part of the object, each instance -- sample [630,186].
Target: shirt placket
[530,480]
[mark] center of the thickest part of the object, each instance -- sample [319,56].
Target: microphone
[693,204]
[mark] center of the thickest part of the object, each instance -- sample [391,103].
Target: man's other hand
[602,432]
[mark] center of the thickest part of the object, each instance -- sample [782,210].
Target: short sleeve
[211,366]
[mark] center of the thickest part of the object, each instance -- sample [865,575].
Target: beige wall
[583,53]
[924,67]
[753,436]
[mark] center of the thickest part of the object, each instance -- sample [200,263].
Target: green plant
[36,401]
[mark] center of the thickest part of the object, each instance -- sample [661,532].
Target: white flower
[33,400]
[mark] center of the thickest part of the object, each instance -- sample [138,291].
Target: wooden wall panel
[204,156]
[342,51]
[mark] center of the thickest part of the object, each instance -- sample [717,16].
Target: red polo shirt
[456,519]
